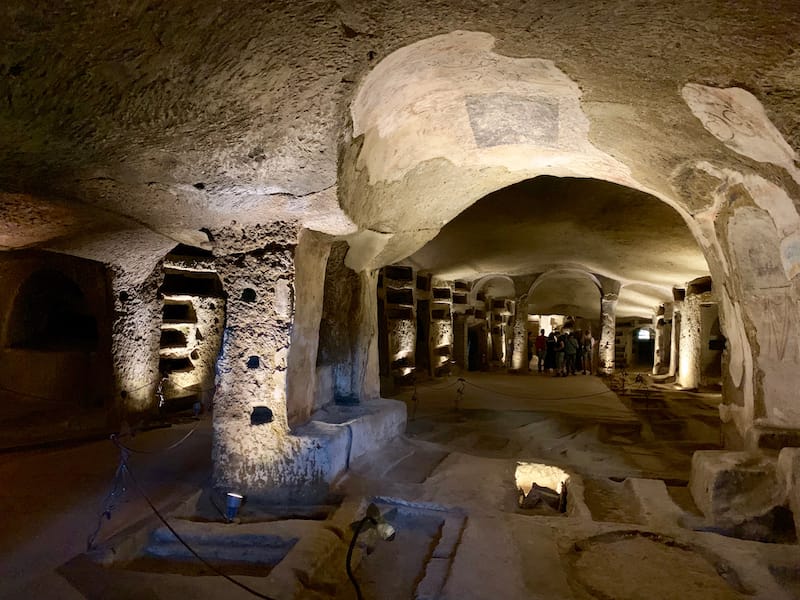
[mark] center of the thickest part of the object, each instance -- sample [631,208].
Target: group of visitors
[563,353]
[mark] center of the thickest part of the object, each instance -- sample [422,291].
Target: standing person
[530,350]
[571,346]
[586,350]
[550,352]
[541,349]
[560,372]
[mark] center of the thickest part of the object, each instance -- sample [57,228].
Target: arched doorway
[55,360]
[431,130]
[643,346]
[50,313]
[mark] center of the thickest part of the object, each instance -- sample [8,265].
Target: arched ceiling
[498,286]
[566,295]
[593,226]
[174,116]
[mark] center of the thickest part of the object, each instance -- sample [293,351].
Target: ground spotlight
[234,501]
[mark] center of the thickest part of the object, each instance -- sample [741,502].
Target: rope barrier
[160,450]
[520,397]
[62,402]
[462,381]
[116,492]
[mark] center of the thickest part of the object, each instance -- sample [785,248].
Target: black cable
[124,462]
[442,386]
[350,549]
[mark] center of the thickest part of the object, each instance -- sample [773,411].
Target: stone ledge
[771,438]
[321,450]
[731,487]
[789,475]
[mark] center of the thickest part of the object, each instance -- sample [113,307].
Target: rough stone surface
[348,328]
[125,130]
[310,261]
[732,487]
[252,456]
[690,342]
[789,475]
[135,340]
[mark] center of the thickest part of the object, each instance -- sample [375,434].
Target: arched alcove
[55,357]
[565,292]
[446,121]
[50,312]
[492,286]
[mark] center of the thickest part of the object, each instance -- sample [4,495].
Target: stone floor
[450,488]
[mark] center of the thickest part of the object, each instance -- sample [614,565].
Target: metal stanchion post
[460,393]
[414,399]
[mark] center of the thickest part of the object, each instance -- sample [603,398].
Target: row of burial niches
[193,315]
[424,325]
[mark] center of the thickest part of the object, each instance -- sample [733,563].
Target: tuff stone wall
[338,326]
[135,340]
[252,449]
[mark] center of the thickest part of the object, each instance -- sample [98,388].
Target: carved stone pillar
[608,313]
[691,342]
[251,429]
[519,355]
[674,338]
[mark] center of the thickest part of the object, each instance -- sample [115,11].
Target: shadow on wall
[338,331]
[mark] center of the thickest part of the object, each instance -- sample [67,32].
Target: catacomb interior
[514,285]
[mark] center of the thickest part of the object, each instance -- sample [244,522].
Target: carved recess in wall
[736,118]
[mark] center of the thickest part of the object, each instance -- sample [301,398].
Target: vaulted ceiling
[136,125]
[552,223]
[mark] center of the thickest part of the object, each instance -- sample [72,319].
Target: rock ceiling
[154,119]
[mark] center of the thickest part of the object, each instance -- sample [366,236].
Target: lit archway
[447,120]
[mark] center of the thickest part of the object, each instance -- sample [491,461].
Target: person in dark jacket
[571,347]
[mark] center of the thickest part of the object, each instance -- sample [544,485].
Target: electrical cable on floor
[157,513]
[350,549]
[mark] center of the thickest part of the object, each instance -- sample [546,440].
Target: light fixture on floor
[373,519]
[234,501]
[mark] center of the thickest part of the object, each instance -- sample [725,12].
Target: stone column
[660,342]
[674,338]
[252,440]
[489,327]
[365,380]
[608,313]
[691,342]
[460,336]
[310,260]
[519,356]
